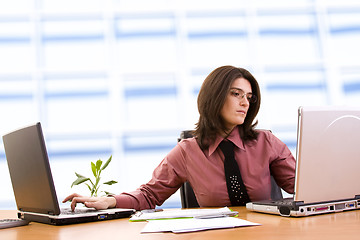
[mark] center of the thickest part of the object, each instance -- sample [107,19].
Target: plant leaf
[107,163]
[97,181]
[93,169]
[92,184]
[108,193]
[79,175]
[98,164]
[79,181]
[88,186]
[110,182]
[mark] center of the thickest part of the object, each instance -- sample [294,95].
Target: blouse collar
[234,137]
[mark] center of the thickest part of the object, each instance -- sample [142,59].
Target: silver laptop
[33,185]
[327,164]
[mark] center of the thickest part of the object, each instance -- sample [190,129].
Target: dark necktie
[236,188]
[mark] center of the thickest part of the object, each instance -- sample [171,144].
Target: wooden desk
[345,225]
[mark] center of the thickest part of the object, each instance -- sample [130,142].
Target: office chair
[188,198]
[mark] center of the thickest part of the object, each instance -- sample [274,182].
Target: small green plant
[94,186]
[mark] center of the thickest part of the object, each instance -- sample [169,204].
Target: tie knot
[227,147]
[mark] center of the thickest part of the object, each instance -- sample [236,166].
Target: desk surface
[344,225]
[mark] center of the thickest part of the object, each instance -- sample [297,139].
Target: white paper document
[194,224]
[184,213]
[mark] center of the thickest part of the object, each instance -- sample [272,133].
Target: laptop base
[72,219]
[292,208]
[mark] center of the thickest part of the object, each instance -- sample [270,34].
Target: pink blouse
[205,172]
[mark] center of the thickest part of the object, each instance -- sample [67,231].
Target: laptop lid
[328,154]
[30,171]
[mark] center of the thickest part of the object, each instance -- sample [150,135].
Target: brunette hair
[211,99]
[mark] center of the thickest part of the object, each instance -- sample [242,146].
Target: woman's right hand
[99,203]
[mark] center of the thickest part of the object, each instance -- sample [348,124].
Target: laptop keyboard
[67,211]
[285,201]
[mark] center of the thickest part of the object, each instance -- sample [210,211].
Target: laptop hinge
[287,206]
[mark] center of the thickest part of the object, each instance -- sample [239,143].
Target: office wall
[121,77]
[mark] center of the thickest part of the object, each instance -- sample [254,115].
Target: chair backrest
[276,193]
[188,198]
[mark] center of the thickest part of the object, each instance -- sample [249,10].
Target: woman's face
[237,103]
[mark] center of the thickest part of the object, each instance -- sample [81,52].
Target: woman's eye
[235,94]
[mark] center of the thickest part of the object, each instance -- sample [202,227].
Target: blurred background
[121,77]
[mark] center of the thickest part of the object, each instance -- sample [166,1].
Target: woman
[228,103]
